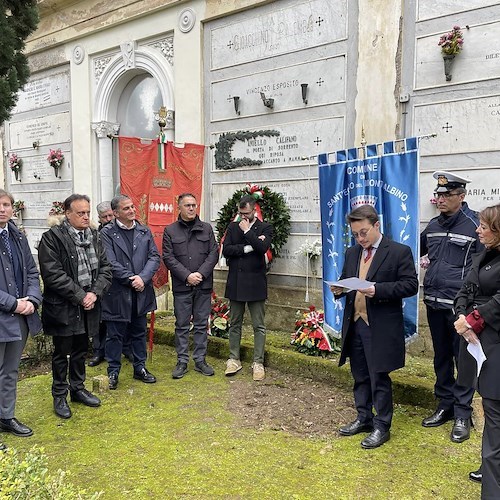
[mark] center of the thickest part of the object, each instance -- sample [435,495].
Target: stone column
[105,131]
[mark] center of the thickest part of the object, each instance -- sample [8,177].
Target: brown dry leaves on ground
[302,407]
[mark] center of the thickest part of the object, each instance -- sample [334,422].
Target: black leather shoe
[61,407]
[113,381]
[15,427]
[95,361]
[375,439]
[355,428]
[461,430]
[85,397]
[204,368]
[144,376]
[180,370]
[476,476]
[439,417]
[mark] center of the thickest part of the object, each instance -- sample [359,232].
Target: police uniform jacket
[450,243]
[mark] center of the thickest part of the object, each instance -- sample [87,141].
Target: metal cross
[447,127]
[317,141]
[320,81]
[319,21]
[230,44]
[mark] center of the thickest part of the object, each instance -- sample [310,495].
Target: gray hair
[115,202]
[104,206]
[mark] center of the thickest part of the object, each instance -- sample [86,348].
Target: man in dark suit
[372,329]
[245,247]
[134,259]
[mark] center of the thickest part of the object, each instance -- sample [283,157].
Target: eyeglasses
[362,234]
[445,195]
[190,205]
[244,213]
[82,214]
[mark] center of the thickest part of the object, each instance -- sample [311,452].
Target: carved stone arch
[113,80]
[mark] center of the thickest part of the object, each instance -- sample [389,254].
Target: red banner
[154,190]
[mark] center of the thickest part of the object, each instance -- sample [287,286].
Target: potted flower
[219,318]
[15,164]
[17,208]
[55,160]
[451,44]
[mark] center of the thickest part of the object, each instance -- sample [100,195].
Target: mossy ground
[180,439]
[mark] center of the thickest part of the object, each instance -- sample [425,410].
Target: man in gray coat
[190,253]
[20,296]
[75,275]
[135,259]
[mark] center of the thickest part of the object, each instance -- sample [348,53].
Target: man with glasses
[373,326]
[75,275]
[134,259]
[245,246]
[447,244]
[190,253]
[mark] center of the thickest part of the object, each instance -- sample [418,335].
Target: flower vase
[56,171]
[448,63]
[16,174]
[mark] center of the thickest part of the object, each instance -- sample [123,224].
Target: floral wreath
[274,210]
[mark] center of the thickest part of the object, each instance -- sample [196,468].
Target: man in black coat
[245,246]
[75,275]
[190,253]
[134,258]
[373,329]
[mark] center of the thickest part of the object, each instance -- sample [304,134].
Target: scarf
[85,251]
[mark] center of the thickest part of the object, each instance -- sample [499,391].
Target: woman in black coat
[477,307]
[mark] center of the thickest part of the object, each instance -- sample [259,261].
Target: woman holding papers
[477,307]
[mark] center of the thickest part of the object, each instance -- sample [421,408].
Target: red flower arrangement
[219,318]
[57,208]
[310,338]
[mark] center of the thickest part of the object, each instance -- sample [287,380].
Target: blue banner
[389,183]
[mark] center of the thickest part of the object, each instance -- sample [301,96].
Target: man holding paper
[373,329]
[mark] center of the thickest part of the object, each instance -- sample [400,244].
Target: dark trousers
[371,389]
[446,343]
[116,332]
[10,356]
[74,346]
[490,487]
[99,342]
[193,304]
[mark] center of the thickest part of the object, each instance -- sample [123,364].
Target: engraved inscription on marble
[297,27]
[479,59]
[301,195]
[296,140]
[463,126]
[428,9]
[36,169]
[293,264]
[325,80]
[43,92]
[34,235]
[483,190]
[39,203]
[48,130]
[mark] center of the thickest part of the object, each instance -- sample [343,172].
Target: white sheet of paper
[477,351]
[351,283]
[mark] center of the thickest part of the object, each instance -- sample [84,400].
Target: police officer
[447,244]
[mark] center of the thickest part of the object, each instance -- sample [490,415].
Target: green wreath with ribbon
[274,210]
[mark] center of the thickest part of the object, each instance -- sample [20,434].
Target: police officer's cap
[448,181]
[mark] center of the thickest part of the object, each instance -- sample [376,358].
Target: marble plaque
[49,129]
[483,190]
[293,28]
[39,203]
[463,126]
[292,264]
[34,235]
[429,9]
[36,169]
[479,59]
[42,92]
[296,140]
[325,81]
[301,195]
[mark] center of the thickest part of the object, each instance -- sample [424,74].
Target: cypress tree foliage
[18,18]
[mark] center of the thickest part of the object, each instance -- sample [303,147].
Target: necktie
[368,255]
[6,242]
[81,236]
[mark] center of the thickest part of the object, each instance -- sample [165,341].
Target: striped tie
[368,255]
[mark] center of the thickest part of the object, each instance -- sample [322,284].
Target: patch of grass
[178,439]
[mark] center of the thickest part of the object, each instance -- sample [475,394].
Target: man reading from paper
[373,327]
